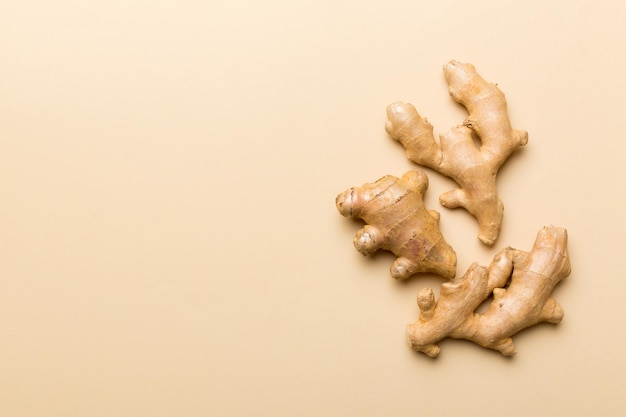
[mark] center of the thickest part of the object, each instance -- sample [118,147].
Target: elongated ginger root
[526,300]
[456,156]
[398,221]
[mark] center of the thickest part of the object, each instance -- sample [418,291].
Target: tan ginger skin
[521,284]
[456,155]
[397,220]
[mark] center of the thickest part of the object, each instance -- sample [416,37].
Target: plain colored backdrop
[169,244]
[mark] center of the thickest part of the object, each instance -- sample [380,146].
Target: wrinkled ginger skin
[397,220]
[456,155]
[521,284]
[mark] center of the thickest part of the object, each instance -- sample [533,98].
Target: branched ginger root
[397,220]
[526,301]
[456,156]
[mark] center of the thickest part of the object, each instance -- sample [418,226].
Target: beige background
[169,242]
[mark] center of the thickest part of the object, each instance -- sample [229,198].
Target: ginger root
[456,155]
[397,220]
[521,284]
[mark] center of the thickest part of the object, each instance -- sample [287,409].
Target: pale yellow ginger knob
[521,284]
[456,155]
[397,220]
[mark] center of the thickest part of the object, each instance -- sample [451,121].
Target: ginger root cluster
[518,283]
